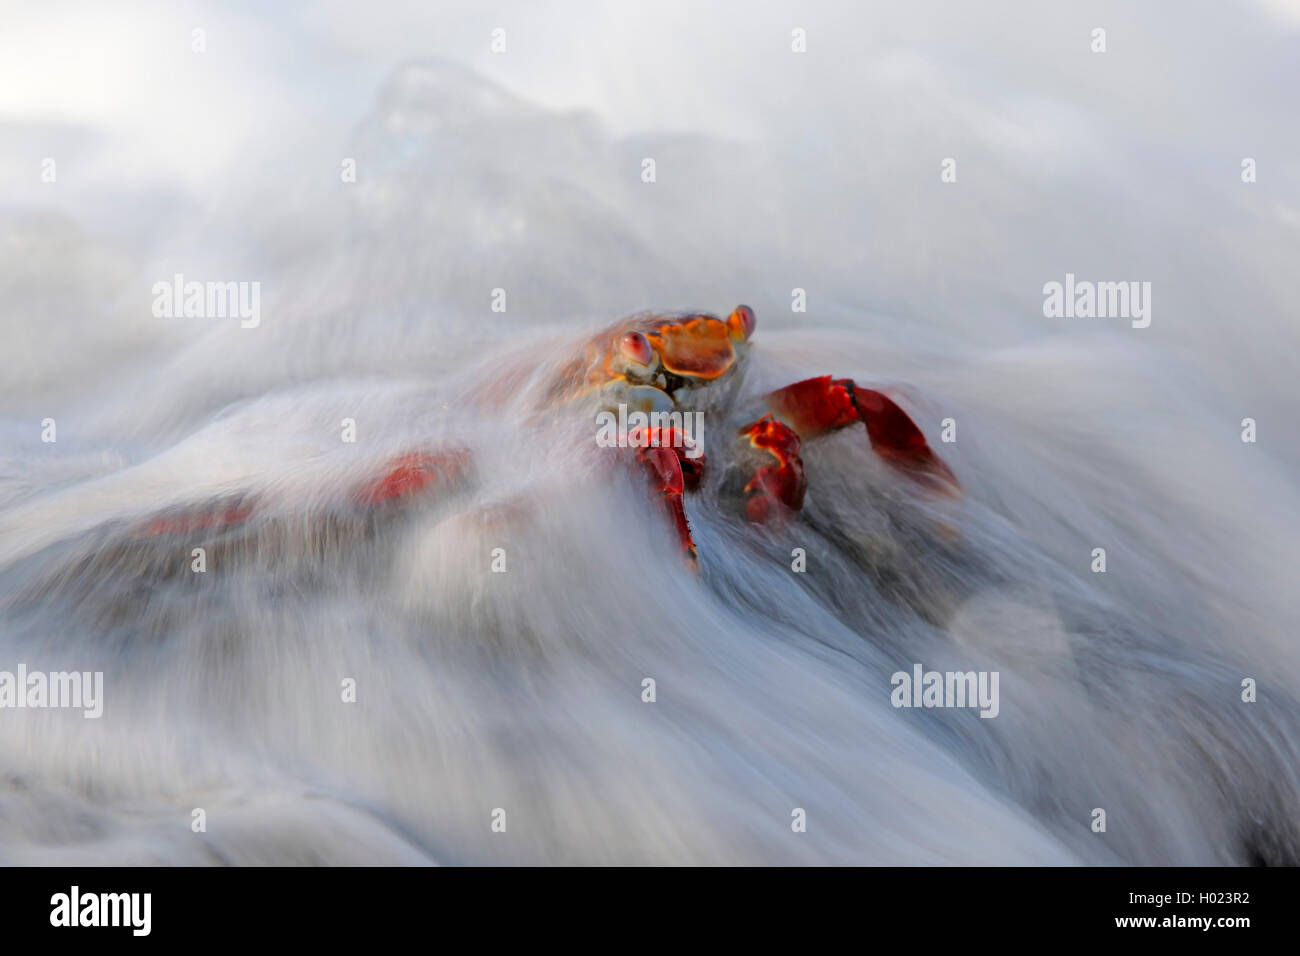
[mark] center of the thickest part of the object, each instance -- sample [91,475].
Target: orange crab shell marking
[700,347]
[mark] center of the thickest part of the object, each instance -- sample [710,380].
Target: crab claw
[819,405]
[777,488]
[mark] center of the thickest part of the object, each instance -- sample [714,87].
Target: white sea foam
[523,690]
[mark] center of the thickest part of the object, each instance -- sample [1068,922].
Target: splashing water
[523,691]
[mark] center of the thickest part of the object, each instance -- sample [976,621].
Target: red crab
[673,370]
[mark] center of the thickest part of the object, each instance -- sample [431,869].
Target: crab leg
[816,406]
[662,453]
[411,473]
[220,515]
[400,478]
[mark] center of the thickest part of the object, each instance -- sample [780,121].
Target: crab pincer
[816,406]
[778,485]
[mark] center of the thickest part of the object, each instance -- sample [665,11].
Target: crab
[658,371]
[670,367]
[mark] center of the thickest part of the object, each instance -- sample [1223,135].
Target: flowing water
[478,691]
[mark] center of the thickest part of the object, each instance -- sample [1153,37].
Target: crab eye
[636,347]
[741,323]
